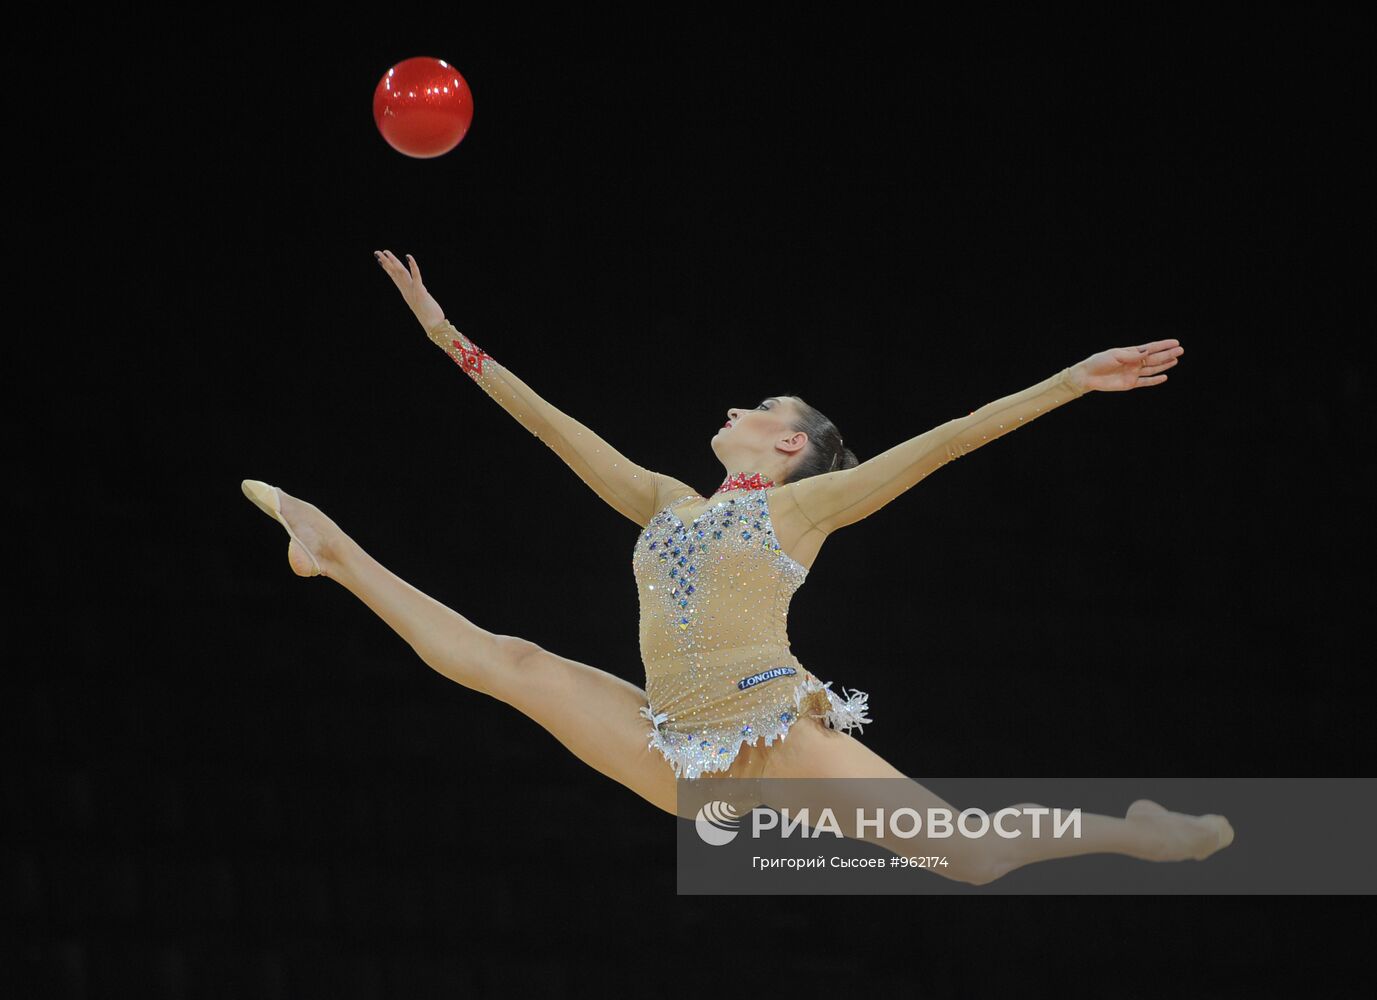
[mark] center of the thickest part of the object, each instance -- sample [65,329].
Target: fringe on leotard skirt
[706,751]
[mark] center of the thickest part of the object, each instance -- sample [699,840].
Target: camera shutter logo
[718,823]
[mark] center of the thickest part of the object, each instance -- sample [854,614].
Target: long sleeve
[836,499]
[626,486]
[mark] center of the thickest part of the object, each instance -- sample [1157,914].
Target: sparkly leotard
[715,591]
[715,595]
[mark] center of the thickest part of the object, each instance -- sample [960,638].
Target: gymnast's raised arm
[835,499]
[629,488]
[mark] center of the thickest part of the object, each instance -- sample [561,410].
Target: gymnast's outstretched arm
[835,499]
[626,486]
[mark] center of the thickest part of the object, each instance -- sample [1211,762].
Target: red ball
[422,107]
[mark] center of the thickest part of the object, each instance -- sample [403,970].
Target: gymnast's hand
[1127,367]
[422,303]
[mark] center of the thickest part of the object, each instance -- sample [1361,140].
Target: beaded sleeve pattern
[835,499]
[466,354]
[626,486]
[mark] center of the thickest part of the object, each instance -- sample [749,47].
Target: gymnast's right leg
[596,715]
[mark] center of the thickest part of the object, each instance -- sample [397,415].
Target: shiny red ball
[422,107]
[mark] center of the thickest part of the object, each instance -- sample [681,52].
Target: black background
[222,780]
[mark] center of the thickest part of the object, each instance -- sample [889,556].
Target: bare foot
[316,535]
[1173,836]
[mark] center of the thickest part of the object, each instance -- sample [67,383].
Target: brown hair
[825,451]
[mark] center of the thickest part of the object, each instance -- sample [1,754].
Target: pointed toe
[268,499]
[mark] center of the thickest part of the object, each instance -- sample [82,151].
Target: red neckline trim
[741,481]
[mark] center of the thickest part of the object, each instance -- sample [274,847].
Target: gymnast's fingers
[390,266]
[1156,345]
[399,271]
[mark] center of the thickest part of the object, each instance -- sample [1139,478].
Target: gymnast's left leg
[811,750]
[593,713]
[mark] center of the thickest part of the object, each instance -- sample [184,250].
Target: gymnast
[724,695]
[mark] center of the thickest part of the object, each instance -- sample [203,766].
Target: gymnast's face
[760,439]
